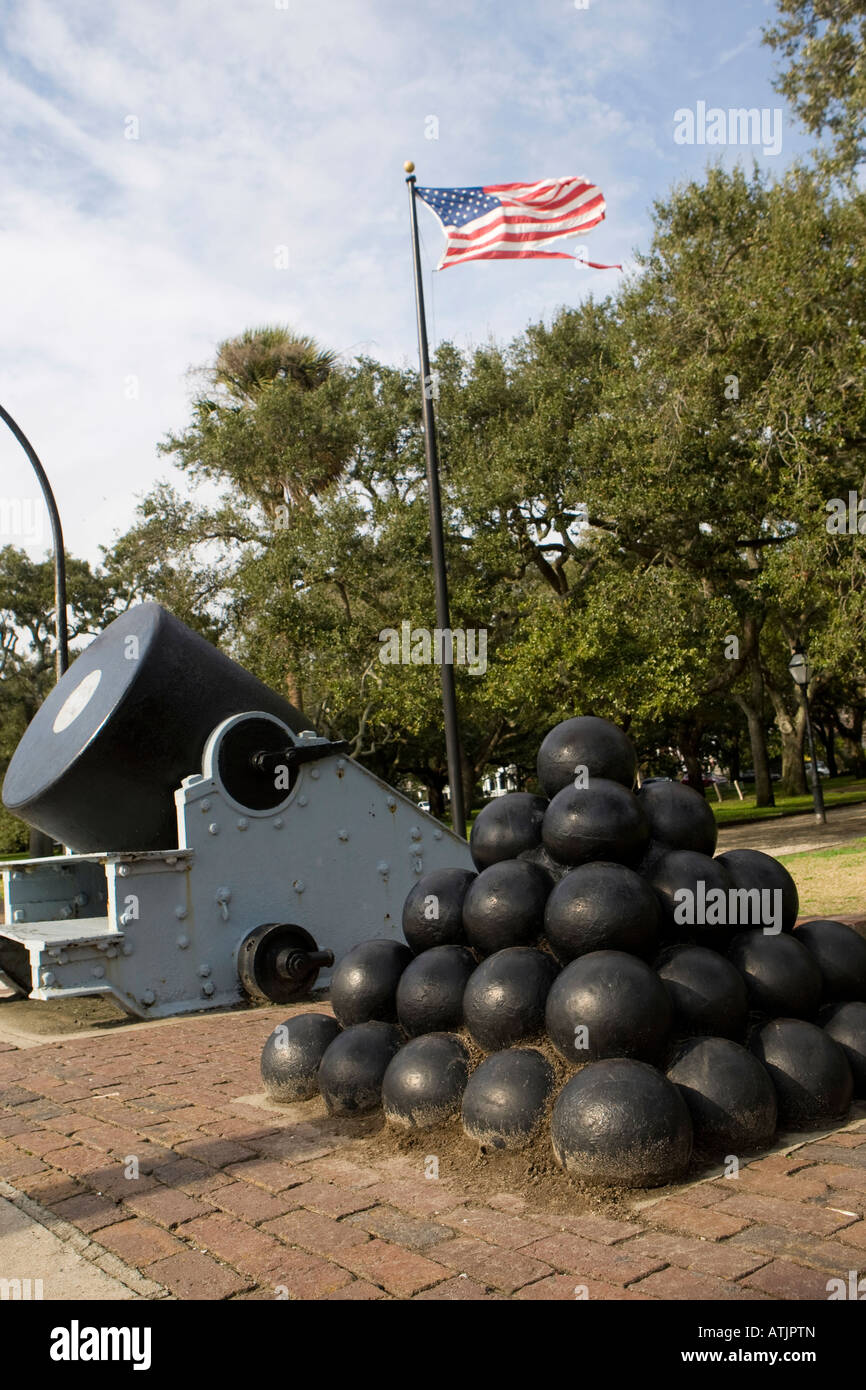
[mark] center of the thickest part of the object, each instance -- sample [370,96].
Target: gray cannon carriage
[215,848]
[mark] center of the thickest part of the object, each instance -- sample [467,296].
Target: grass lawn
[830,880]
[841,791]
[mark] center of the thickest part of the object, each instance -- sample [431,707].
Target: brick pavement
[137,1139]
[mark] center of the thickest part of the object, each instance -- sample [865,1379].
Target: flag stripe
[589,215]
[503,239]
[543,207]
[538,255]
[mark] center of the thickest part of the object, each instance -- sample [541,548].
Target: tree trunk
[793,766]
[828,738]
[435,796]
[734,768]
[469,779]
[752,706]
[294,694]
[689,747]
[792,728]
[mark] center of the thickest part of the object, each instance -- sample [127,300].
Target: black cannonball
[679,817]
[846,1025]
[729,1094]
[808,1069]
[585,742]
[505,906]
[505,997]
[618,1004]
[601,906]
[430,992]
[621,1123]
[433,910]
[506,827]
[708,995]
[364,982]
[505,1098]
[781,976]
[750,869]
[425,1080]
[694,894]
[841,956]
[601,821]
[292,1053]
[352,1069]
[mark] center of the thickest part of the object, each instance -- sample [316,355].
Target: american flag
[505,221]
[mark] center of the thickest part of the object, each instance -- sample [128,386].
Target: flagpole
[437,543]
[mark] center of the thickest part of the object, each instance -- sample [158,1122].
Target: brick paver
[167,1207]
[194,1276]
[720,1258]
[399,1271]
[459,1290]
[800,1216]
[495,1226]
[89,1211]
[782,1279]
[240,1202]
[708,1223]
[565,1288]
[588,1260]
[504,1269]
[250,1203]
[409,1231]
[139,1242]
[677,1283]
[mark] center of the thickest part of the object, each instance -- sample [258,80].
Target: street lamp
[61,651]
[801,673]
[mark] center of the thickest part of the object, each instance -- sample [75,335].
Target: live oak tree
[735,409]
[824,42]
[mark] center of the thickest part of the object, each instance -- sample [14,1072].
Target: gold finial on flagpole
[409,166]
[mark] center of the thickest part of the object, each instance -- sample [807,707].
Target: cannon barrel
[98,766]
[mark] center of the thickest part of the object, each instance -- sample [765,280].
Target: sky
[178,171]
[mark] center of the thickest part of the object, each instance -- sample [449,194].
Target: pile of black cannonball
[630,992]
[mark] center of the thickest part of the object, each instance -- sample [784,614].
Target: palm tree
[261,355]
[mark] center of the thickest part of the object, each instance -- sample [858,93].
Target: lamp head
[800,669]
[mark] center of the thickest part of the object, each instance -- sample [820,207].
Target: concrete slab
[30,1252]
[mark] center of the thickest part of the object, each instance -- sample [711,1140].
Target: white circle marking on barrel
[77,701]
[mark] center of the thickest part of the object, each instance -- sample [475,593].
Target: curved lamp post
[61,654]
[801,674]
